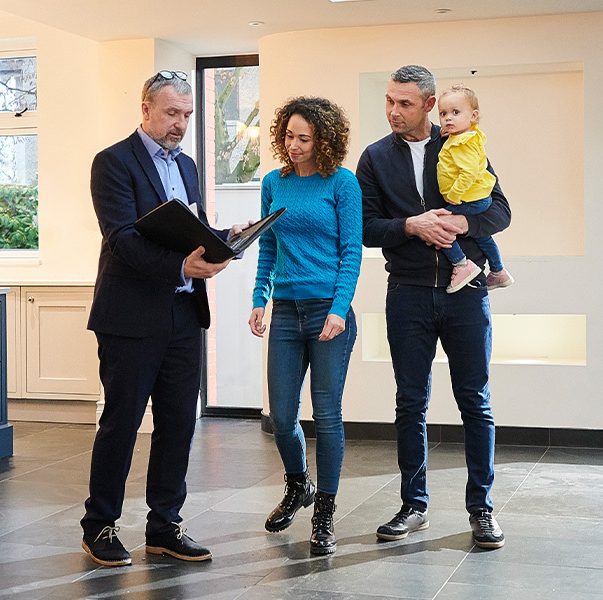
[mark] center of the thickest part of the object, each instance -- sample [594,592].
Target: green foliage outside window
[241,147]
[19,217]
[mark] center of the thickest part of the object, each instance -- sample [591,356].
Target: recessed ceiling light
[443,11]
[256,23]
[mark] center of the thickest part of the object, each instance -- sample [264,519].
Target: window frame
[26,124]
[29,119]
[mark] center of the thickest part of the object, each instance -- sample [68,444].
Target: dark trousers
[166,367]
[416,317]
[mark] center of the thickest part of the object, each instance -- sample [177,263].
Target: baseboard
[52,411]
[509,436]
[231,412]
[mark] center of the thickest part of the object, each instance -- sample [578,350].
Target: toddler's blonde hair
[460,88]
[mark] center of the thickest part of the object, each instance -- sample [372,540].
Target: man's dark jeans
[416,317]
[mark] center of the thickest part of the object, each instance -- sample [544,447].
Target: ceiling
[214,27]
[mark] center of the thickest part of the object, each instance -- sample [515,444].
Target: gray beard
[168,145]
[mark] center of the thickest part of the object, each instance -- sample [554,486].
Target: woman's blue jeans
[416,317]
[293,346]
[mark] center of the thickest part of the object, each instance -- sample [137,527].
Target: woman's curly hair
[331,132]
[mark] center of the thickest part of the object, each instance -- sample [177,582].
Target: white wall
[331,63]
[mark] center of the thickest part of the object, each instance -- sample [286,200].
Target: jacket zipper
[437,258]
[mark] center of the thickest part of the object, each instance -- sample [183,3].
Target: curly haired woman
[309,263]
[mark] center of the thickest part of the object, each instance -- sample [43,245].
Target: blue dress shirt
[171,178]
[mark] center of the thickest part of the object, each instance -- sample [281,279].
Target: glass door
[229,158]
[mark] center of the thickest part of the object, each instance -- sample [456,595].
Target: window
[237,126]
[230,92]
[18,152]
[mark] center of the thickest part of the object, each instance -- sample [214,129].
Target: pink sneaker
[499,279]
[462,275]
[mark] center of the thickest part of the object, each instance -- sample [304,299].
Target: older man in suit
[149,307]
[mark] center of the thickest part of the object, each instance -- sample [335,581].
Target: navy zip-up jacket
[389,196]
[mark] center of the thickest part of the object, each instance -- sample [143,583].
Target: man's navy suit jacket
[134,290]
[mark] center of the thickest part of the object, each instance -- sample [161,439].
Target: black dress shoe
[106,549]
[299,491]
[177,544]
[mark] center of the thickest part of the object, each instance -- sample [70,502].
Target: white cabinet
[60,353]
[52,357]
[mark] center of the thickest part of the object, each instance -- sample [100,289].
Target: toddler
[466,184]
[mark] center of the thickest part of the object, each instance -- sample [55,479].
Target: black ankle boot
[299,491]
[323,532]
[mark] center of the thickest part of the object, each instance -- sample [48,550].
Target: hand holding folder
[173,226]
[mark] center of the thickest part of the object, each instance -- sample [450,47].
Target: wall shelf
[548,339]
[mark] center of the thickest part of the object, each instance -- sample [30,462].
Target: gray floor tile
[520,577]
[15,466]
[543,551]
[463,591]
[549,502]
[561,490]
[25,501]
[67,471]
[362,573]
[570,532]
[157,581]
[54,443]
[23,428]
[284,592]
[574,456]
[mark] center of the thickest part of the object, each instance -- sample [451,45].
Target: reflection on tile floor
[549,502]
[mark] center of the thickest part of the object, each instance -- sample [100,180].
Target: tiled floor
[549,502]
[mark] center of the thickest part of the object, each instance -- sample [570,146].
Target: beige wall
[529,392]
[123,66]
[68,131]
[88,98]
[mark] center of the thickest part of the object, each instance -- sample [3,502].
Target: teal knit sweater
[314,250]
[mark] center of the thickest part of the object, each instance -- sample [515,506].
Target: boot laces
[107,533]
[291,490]
[322,520]
[323,515]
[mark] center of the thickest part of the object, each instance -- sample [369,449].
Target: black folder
[174,226]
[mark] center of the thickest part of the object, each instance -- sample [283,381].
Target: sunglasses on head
[168,75]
